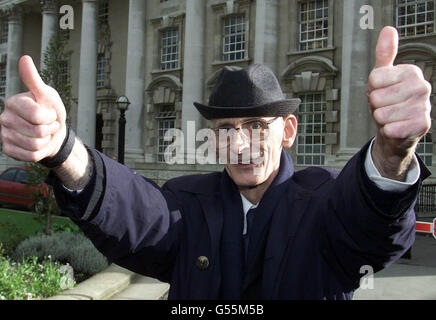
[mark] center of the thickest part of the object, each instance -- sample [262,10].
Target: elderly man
[257,230]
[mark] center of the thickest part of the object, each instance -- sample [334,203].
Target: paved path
[404,280]
[413,279]
[143,288]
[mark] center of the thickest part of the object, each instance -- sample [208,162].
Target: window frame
[4,29]
[164,115]
[101,82]
[406,26]
[224,36]
[325,39]
[302,136]
[425,144]
[103,13]
[3,79]
[161,48]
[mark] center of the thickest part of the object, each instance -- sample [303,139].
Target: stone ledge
[101,286]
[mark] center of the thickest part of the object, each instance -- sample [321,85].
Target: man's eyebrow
[232,124]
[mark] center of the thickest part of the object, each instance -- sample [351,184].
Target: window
[22,177]
[4,30]
[3,79]
[415,17]
[63,72]
[103,13]
[169,57]
[8,175]
[101,66]
[311,129]
[234,38]
[313,24]
[166,120]
[425,149]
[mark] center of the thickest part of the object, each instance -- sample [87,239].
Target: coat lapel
[284,225]
[213,212]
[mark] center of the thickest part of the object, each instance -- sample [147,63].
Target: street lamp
[122,105]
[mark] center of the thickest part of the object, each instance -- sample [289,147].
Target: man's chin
[246,176]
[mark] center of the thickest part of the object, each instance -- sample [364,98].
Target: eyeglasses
[253,130]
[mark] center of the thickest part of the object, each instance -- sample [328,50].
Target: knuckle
[373,78]
[39,131]
[413,72]
[374,98]
[427,87]
[33,157]
[379,116]
[4,134]
[34,144]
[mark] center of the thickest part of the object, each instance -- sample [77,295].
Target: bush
[11,238]
[64,247]
[30,280]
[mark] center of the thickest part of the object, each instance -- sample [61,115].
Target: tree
[56,74]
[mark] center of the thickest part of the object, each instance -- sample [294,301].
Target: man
[308,234]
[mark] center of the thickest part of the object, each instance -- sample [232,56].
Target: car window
[8,175]
[22,177]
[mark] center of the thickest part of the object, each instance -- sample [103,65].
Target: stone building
[165,54]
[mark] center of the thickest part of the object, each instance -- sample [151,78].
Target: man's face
[266,156]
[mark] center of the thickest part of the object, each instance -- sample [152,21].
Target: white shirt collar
[246,205]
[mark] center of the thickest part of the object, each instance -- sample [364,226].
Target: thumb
[30,77]
[387,47]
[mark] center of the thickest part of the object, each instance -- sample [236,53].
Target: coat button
[202,262]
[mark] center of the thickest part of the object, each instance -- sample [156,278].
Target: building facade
[165,54]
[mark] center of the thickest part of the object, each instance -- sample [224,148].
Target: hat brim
[274,109]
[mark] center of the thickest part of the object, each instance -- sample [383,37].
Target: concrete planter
[116,283]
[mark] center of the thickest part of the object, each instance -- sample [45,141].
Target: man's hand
[399,101]
[33,123]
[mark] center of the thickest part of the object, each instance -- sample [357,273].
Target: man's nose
[241,142]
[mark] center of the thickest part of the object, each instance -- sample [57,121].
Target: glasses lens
[252,131]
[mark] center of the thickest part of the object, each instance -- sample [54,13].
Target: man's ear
[290,131]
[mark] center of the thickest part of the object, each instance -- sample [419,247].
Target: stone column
[355,126]
[135,80]
[266,36]
[49,25]
[15,46]
[259,37]
[193,70]
[86,110]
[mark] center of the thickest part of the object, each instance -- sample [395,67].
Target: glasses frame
[265,123]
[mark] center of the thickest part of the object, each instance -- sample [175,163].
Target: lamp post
[122,105]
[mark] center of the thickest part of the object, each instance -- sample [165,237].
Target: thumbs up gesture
[33,123]
[399,101]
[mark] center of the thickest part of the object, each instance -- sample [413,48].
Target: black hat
[250,92]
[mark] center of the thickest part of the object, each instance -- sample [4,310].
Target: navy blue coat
[326,227]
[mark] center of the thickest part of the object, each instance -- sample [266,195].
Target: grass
[16,226]
[26,222]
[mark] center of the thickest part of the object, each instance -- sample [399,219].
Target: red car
[15,189]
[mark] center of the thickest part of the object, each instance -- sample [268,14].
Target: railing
[427,199]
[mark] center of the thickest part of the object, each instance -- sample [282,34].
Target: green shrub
[64,247]
[30,280]
[11,236]
[59,227]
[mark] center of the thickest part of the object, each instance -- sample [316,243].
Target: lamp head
[122,103]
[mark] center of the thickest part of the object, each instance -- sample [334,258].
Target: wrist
[61,153]
[391,163]
[76,171]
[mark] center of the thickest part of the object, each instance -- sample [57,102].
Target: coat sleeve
[364,226]
[132,221]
